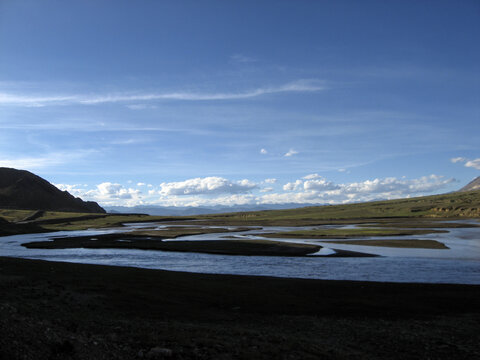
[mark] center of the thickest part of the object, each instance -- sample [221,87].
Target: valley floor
[52,310]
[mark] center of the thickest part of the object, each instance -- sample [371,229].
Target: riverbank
[54,310]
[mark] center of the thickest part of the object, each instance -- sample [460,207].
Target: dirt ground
[52,310]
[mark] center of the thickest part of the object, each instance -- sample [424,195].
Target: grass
[102,222]
[407,244]
[15,215]
[446,206]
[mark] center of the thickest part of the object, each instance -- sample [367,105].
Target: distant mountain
[472,185]
[20,189]
[192,210]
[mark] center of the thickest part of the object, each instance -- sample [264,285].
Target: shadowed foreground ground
[54,310]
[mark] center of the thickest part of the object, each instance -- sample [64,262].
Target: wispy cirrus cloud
[43,161]
[303,85]
[26,162]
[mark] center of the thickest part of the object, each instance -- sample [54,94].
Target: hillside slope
[20,189]
[453,205]
[472,185]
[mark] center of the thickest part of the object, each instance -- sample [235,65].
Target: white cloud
[458,159]
[267,189]
[319,190]
[311,189]
[293,186]
[77,190]
[106,193]
[263,151]
[473,164]
[141,184]
[312,176]
[110,190]
[270,181]
[291,152]
[207,186]
[303,85]
[319,185]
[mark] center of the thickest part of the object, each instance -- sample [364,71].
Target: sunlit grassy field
[454,205]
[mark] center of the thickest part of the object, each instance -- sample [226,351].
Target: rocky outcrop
[20,189]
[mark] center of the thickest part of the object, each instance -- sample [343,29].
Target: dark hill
[472,185]
[20,189]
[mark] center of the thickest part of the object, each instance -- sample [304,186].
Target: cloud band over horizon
[311,189]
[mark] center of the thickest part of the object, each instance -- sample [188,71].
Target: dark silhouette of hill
[20,189]
[472,185]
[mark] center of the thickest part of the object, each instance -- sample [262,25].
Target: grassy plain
[446,206]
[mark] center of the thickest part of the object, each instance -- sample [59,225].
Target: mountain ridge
[21,189]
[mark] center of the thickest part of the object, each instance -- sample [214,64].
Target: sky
[189,103]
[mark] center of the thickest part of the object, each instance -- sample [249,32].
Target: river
[459,264]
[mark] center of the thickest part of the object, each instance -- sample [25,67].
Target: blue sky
[229,102]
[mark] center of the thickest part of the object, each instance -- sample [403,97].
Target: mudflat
[52,310]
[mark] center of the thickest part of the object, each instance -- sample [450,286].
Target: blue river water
[459,264]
